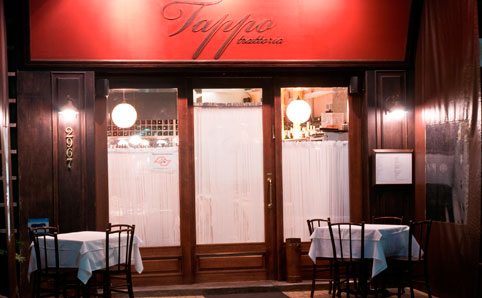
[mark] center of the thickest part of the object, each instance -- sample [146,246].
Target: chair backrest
[421,231]
[348,247]
[119,241]
[316,222]
[389,220]
[339,244]
[46,264]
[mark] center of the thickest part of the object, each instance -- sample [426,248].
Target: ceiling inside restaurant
[149,103]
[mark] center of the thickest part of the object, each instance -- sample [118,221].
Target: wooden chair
[117,276]
[389,220]
[52,280]
[47,278]
[404,266]
[349,268]
[312,224]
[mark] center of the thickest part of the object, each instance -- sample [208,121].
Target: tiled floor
[324,294]
[298,290]
[302,294]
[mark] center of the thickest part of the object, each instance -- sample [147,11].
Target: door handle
[270,186]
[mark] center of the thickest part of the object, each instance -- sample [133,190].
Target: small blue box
[38,222]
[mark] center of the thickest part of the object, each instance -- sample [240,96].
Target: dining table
[86,251]
[381,241]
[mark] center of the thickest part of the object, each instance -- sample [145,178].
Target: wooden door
[233,221]
[304,190]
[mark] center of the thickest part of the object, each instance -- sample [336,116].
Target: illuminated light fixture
[135,140]
[396,114]
[123,142]
[124,115]
[145,143]
[68,111]
[161,143]
[298,111]
[394,109]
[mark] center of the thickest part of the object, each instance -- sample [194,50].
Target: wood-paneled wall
[48,187]
[73,186]
[387,90]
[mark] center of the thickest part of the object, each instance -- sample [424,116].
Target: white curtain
[229,173]
[144,190]
[315,184]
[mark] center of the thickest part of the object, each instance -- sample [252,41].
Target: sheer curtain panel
[315,184]
[229,173]
[145,193]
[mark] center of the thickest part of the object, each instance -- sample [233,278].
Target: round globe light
[298,111]
[135,140]
[124,115]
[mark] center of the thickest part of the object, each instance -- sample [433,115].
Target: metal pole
[6,161]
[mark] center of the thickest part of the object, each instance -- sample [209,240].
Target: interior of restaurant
[222,161]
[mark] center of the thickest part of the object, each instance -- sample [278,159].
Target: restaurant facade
[209,158]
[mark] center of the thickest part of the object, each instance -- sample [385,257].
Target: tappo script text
[224,25]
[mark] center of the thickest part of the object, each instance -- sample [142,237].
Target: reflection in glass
[447,171]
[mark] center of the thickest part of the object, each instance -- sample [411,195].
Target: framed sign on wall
[392,166]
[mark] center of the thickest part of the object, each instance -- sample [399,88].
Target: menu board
[392,166]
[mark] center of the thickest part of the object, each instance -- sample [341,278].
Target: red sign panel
[219,30]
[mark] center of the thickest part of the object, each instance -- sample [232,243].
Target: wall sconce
[392,103]
[393,107]
[397,114]
[69,112]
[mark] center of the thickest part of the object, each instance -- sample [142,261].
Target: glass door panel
[314,157]
[143,164]
[229,186]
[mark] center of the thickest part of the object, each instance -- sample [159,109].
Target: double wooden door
[226,227]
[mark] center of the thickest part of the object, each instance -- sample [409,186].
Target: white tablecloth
[381,241]
[86,251]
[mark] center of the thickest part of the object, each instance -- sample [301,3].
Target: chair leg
[107,293]
[57,288]
[410,281]
[348,287]
[313,281]
[129,286]
[34,288]
[364,287]
[412,295]
[400,285]
[336,284]
[399,292]
[331,277]
[427,284]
